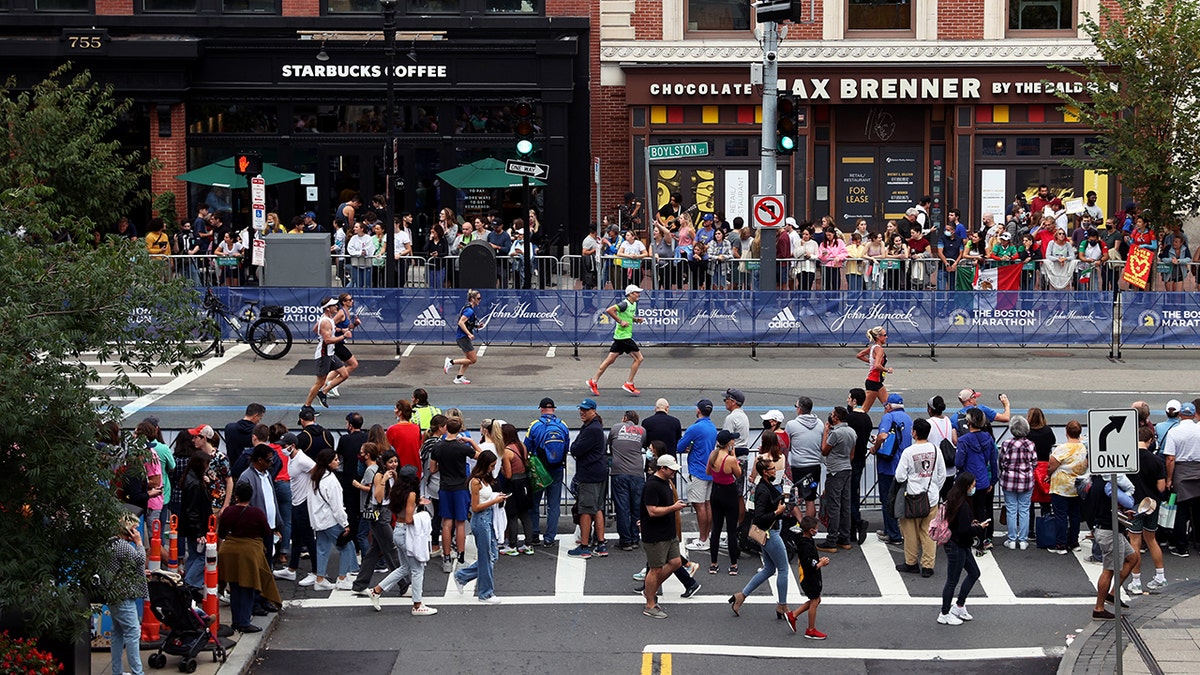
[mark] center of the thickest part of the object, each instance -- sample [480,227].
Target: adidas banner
[786,318]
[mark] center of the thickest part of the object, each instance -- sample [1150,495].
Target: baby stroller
[187,629]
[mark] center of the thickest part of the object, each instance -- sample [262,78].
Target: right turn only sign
[1112,441]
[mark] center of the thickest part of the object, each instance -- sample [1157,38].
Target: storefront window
[737,147]
[362,119]
[1028,146]
[63,5]
[169,5]
[231,119]
[993,147]
[354,6]
[249,6]
[434,6]
[1040,14]
[879,15]
[1062,146]
[511,6]
[727,15]
[495,119]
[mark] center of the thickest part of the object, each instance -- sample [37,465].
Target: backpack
[552,440]
[939,529]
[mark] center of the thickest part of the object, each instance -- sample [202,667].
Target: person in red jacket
[405,436]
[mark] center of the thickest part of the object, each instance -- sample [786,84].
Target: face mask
[650,455]
[971,492]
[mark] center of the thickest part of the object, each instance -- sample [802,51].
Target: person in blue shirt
[970,399]
[977,455]
[887,450]
[699,440]
[464,335]
[949,244]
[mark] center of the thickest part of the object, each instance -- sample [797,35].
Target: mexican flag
[1004,278]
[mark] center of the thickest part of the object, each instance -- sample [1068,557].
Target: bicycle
[266,334]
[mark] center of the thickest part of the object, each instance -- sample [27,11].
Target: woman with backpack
[976,454]
[944,437]
[963,529]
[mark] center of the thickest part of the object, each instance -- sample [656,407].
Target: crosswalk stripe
[550,352]
[859,654]
[409,350]
[569,573]
[992,579]
[883,568]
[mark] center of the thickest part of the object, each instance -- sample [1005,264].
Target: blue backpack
[552,440]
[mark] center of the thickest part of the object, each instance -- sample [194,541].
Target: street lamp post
[388,7]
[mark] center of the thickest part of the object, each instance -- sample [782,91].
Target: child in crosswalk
[810,564]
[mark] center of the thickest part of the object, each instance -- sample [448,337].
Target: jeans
[126,635]
[283,497]
[241,604]
[946,280]
[774,560]
[360,277]
[854,282]
[326,542]
[958,559]
[837,495]
[381,547]
[1018,514]
[553,494]
[193,568]
[409,566]
[485,544]
[891,526]
[725,502]
[302,538]
[627,500]
[1066,517]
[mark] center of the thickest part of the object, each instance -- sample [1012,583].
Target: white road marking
[569,573]
[550,352]
[482,349]
[1092,570]
[134,374]
[1133,393]
[183,380]
[883,568]
[992,579]
[858,654]
[409,349]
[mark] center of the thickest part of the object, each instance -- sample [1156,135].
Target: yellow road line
[647,663]
[665,665]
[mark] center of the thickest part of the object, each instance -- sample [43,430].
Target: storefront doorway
[876,183]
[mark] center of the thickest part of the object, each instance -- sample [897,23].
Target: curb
[242,656]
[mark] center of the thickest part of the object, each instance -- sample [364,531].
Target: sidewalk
[240,655]
[1168,624]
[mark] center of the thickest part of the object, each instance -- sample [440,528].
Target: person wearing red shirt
[405,436]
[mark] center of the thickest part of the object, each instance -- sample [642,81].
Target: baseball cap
[668,461]
[1006,236]
[1173,405]
[288,439]
[587,404]
[307,413]
[705,406]
[968,394]
[633,288]
[1187,409]
[707,216]
[735,394]
[310,214]
[895,399]
[547,403]
[724,436]
[202,430]
[152,420]
[408,471]
[772,415]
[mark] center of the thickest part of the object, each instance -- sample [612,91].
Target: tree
[1143,100]
[64,295]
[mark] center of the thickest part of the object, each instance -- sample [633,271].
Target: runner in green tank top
[624,313]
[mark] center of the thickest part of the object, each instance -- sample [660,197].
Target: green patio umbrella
[221,174]
[486,174]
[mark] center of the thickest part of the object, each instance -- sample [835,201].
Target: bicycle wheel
[269,338]
[204,338]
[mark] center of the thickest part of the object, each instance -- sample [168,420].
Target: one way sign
[515,167]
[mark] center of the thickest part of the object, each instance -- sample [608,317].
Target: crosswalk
[154,385]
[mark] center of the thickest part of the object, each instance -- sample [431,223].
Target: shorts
[659,553]
[1105,539]
[811,589]
[873,385]
[341,351]
[624,346]
[589,497]
[1147,522]
[328,362]
[807,480]
[464,343]
[699,491]
[454,504]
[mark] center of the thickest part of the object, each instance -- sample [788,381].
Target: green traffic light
[787,144]
[524,146]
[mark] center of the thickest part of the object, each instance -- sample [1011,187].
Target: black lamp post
[388,7]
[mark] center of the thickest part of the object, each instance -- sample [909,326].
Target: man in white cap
[327,361]
[624,313]
[1162,428]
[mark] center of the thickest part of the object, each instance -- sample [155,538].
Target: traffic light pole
[528,262]
[768,280]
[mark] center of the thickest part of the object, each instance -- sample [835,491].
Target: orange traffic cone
[211,606]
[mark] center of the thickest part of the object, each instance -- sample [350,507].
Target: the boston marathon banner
[683,317]
[1168,319]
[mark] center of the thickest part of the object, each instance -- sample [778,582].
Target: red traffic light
[248,164]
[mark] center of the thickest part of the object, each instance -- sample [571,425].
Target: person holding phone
[963,530]
[483,499]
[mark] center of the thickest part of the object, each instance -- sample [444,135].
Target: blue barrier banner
[1160,319]
[1010,317]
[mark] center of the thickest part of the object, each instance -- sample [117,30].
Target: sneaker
[987,544]
[1109,599]
[1156,584]
[628,386]
[460,586]
[791,619]
[654,612]
[691,590]
[549,543]
[1179,552]
[625,546]
[508,550]
[1103,615]
[882,536]
[714,568]
[580,552]
[1134,587]
[949,620]
[1057,550]
[334,393]
[491,600]
[525,549]
[1023,545]
[447,564]
[423,610]
[961,612]
[322,398]
[926,572]
[375,600]
[908,569]
[814,634]
[345,584]
[308,580]
[895,542]
[462,558]
[692,568]
[602,550]
[323,585]
[640,576]
[1009,544]
[697,545]
[461,380]
[285,573]
[592,386]
[446,365]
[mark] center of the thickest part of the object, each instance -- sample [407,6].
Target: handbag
[1047,531]
[916,506]
[539,476]
[758,535]
[1166,513]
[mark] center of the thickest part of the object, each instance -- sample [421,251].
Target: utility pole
[768,279]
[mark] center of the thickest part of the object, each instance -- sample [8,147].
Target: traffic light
[248,164]
[523,128]
[777,10]
[786,124]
